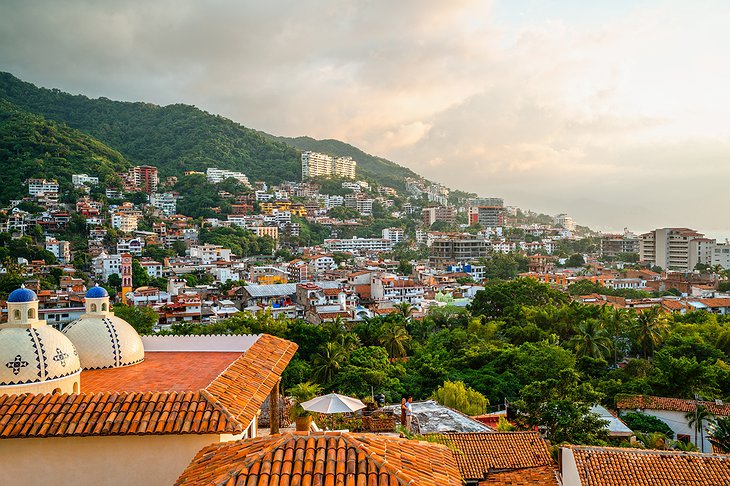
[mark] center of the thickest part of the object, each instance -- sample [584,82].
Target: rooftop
[161,371]
[609,466]
[643,402]
[477,455]
[433,418]
[323,458]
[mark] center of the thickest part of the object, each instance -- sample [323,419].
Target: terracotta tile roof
[227,403]
[244,385]
[632,402]
[533,476]
[163,371]
[609,466]
[478,454]
[323,459]
[64,415]
[716,302]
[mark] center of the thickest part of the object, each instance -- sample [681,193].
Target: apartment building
[79,180]
[165,202]
[321,165]
[457,249]
[142,178]
[674,248]
[487,216]
[208,253]
[564,221]
[396,235]
[60,249]
[396,289]
[38,187]
[358,245]
[125,222]
[438,213]
[215,176]
[613,245]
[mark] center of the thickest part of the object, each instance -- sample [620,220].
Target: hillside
[174,138]
[31,146]
[181,137]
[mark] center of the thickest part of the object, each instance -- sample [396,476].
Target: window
[683,438]
[16,315]
[103,307]
[76,387]
[31,313]
[93,307]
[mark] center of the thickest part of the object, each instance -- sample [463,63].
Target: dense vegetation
[523,342]
[173,138]
[180,137]
[31,146]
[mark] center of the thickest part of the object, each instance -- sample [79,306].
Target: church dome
[22,295]
[97,292]
[34,355]
[105,341]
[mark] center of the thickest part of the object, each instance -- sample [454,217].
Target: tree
[142,318]
[590,340]
[698,420]
[404,309]
[616,321]
[575,260]
[114,280]
[650,328]
[328,362]
[458,396]
[503,298]
[561,408]
[140,277]
[395,339]
[720,434]
[643,422]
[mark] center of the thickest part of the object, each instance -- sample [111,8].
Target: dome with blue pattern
[97,292]
[21,295]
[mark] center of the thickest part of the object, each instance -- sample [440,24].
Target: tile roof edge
[234,424]
[244,356]
[403,478]
[658,452]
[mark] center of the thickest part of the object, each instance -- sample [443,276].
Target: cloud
[615,115]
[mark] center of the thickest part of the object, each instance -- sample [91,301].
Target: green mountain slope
[174,138]
[31,146]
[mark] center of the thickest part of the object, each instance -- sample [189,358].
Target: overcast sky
[615,113]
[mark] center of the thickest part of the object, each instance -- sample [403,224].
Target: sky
[614,111]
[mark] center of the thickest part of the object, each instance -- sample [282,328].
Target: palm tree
[404,309]
[652,440]
[650,328]
[720,434]
[698,419]
[615,321]
[591,340]
[395,339]
[328,362]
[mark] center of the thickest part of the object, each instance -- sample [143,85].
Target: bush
[456,395]
[639,421]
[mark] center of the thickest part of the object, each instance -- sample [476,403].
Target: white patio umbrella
[333,403]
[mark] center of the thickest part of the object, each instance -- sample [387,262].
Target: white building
[397,290]
[674,248]
[133,246]
[60,249]
[153,268]
[320,165]
[209,253]
[124,222]
[357,245]
[564,221]
[396,235]
[165,202]
[84,180]
[215,176]
[38,187]
[105,265]
[721,255]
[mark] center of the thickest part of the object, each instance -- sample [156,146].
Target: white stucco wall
[137,460]
[678,423]
[568,468]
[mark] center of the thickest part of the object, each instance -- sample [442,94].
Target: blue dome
[97,292]
[22,295]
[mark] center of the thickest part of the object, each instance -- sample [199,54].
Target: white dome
[105,341]
[35,355]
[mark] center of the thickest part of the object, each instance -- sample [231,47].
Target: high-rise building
[614,245]
[564,221]
[315,164]
[438,213]
[215,176]
[142,178]
[487,216]
[457,249]
[676,248]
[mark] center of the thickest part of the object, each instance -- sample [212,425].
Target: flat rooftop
[161,371]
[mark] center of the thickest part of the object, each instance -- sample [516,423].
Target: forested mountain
[31,146]
[173,138]
[181,137]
